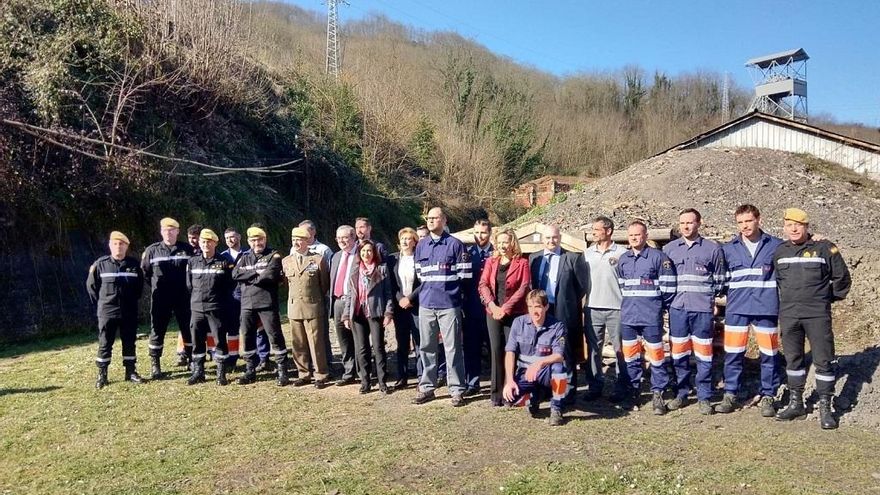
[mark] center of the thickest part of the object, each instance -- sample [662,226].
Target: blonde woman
[504,284]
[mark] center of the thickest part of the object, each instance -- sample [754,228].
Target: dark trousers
[368,332]
[233,317]
[499,332]
[271,324]
[262,344]
[160,315]
[206,323]
[345,339]
[474,335]
[698,327]
[406,327]
[818,331]
[107,329]
[551,380]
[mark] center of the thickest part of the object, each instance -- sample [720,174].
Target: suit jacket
[308,282]
[380,297]
[516,285]
[572,285]
[393,260]
[334,267]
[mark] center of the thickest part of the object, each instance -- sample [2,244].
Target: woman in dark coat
[368,310]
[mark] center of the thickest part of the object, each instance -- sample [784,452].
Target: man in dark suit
[565,277]
[341,264]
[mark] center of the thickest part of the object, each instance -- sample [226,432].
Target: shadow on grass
[35,390]
[49,344]
[858,369]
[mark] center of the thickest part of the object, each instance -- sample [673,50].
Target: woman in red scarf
[503,286]
[368,310]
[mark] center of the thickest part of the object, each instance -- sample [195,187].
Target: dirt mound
[843,206]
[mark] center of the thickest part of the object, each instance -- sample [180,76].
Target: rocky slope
[844,207]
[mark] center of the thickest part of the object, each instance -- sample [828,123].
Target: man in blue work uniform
[700,271]
[232,254]
[442,263]
[534,361]
[475,330]
[647,286]
[750,285]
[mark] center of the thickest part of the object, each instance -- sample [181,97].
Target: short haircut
[307,224]
[377,256]
[406,230]
[607,223]
[194,229]
[539,296]
[483,222]
[366,220]
[422,227]
[747,208]
[640,223]
[691,210]
[347,228]
[231,230]
[514,243]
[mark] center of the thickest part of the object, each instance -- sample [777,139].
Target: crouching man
[534,363]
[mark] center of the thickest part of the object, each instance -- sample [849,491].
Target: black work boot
[768,407]
[250,374]
[198,372]
[657,404]
[131,375]
[155,368]
[102,381]
[728,404]
[221,373]
[826,416]
[283,379]
[183,360]
[795,409]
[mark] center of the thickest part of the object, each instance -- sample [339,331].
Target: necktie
[545,275]
[339,287]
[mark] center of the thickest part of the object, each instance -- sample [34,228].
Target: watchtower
[781,84]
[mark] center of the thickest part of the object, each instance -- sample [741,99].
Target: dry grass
[61,436]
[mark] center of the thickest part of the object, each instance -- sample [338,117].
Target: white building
[760,130]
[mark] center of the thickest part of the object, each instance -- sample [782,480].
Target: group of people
[543,318]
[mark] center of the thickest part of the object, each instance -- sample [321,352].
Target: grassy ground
[59,435]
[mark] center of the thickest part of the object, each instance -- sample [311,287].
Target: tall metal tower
[332,65]
[781,84]
[725,98]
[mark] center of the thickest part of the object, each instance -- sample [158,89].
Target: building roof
[800,126]
[765,61]
[562,179]
[529,236]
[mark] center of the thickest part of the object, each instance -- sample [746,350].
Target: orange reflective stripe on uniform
[632,350]
[559,385]
[523,400]
[654,352]
[681,347]
[232,344]
[768,340]
[211,344]
[702,348]
[736,338]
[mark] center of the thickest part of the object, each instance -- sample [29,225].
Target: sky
[842,38]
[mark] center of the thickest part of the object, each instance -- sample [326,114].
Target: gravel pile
[716,181]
